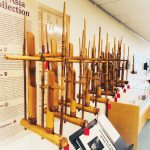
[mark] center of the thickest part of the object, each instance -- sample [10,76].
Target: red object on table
[124,90]
[86,131]
[115,99]
[118,95]
[128,86]
[109,106]
[67,147]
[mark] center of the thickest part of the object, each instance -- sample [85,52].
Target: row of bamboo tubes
[98,76]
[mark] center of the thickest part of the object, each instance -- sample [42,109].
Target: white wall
[80,9]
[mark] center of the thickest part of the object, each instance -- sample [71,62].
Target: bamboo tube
[47,44]
[99,91]
[99,43]
[42,75]
[70,49]
[80,72]
[54,138]
[99,100]
[94,81]
[52,92]
[68,76]
[87,99]
[106,80]
[127,63]
[49,121]
[87,96]
[17,57]
[83,73]
[72,108]
[73,120]
[89,49]
[54,65]
[87,109]
[93,98]
[122,74]
[71,52]
[69,86]
[32,95]
[24,71]
[63,68]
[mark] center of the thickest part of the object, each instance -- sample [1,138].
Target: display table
[129,119]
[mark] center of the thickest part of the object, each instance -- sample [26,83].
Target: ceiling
[135,14]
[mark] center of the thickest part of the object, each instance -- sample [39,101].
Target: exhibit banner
[12,14]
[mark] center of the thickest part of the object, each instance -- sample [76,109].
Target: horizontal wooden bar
[54,138]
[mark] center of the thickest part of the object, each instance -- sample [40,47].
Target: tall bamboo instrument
[63,68]
[106,73]
[98,89]
[114,65]
[47,46]
[42,75]
[24,71]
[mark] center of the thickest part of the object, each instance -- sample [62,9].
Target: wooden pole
[127,63]
[42,75]
[24,71]
[47,43]
[122,75]
[63,69]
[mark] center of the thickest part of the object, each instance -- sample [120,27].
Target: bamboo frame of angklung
[82,60]
[71,59]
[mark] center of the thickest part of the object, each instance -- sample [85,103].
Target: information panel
[11,72]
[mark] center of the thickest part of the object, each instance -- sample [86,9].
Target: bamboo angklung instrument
[32,94]
[24,71]
[52,92]
[68,75]
[94,76]
[106,73]
[118,60]
[80,72]
[51,100]
[42,75]
[72,85]
[98,90]
[88,78]
[85,85]
[114,65]
[82,81]
[63,69]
